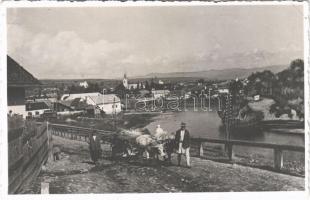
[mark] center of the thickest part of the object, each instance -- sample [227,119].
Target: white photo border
[133,196]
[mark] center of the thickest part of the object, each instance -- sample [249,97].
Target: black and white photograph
[156,99]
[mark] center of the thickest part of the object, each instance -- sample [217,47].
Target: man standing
[182,140]
[158,132]
[94,147]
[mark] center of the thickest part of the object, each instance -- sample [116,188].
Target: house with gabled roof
[18,80]
[109,103]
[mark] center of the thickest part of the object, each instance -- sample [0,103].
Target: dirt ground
[75,173]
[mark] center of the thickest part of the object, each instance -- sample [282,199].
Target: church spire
[125,81]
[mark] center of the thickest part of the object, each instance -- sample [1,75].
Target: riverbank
[74,173]
[265,106]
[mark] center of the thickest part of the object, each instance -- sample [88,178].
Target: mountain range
[214,74]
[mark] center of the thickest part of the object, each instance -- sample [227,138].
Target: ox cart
[135,144]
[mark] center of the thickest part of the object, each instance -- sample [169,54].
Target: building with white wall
[84,84]
[109,103]
[37,108]
[160,93]
[131,86]
[79,95]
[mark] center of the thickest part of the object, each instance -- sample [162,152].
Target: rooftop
[106,99]
[18,76]
[37,106]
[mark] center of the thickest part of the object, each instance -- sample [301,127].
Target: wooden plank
[34,154]
[15,184]
[27,161]
[211,140]
[34,169]
[42,130]
[15,177]
[14,134]
[15,151]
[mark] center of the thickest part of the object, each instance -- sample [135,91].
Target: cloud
[66,55]
[106,42]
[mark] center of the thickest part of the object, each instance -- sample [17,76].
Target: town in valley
[114,110]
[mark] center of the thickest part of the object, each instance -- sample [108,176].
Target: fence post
[229,151]
[201,149]
[278,159]
[44,188]
[49,142]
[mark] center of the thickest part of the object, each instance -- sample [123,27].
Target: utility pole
[103,99]
[228,119]
[114,114]
[210,99]
[227,116]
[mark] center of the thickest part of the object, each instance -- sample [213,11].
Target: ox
[150,146]
[168,141]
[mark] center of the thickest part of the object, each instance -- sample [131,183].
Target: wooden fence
[27,151]
[277,148]
[81,133]
[78,133]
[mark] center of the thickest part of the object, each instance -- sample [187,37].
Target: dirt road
[74,173]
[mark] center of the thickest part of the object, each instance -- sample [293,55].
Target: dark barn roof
[18,76]
[36,106]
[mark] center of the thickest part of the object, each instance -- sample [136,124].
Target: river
[207,124]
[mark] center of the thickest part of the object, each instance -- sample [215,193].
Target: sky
[106,42]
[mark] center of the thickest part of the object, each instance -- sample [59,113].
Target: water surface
[209,125]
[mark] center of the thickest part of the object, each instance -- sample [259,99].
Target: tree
[294,75]
[201,81]
[72,89]
[235,86]
[138,85]
[96,88]
[261,83]
[147,87]
[152,85]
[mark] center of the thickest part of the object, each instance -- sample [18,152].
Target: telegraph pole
[228,119]
[114,114]
[227,116]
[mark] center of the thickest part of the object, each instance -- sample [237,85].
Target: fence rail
[79,133]
[82,134]
[277,148]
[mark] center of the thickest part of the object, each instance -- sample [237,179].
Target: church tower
[125,81]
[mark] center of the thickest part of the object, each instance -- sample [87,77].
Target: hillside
[285,87]
[212,74]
